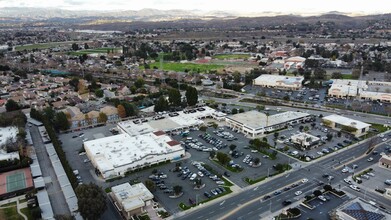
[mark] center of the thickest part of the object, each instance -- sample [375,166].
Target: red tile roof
[158,133]
[173,143]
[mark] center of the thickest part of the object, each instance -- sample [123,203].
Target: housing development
[177,114]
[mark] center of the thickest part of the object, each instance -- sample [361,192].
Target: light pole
[197,199]
[268,171]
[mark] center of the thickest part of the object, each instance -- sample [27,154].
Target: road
[56,196]
[378,119]
[248,205]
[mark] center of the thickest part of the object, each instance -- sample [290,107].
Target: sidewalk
[19,206]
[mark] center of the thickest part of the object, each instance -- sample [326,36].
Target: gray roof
[44,205]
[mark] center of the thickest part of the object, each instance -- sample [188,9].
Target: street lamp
[268,171]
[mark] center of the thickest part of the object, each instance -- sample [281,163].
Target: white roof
[255,120]
[8,133]
[279,79]
[346,121]
[131,196]
[168,123]
[118,150]
[39,182]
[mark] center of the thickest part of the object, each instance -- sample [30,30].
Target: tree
[260,107]
[151,186]
[276,135]
[191,96]
[256,161]
[327,187]
[75,46]
[74,82]
[356,73]
[102,118]
[198,182]
[11,105]
[223,158]
[91,201]
[306,128]
[329,136]
[232,147]
[161,105]
[301,128]
[174,97]
[241,110]
[177,189]
[212,154]
[121,111]
[320,73]
[234,111]
[99,93]
[339,134]
[203,128]
[88,77]
[336,75]
[317,193]
[139,82]
[61,121]
[86,46]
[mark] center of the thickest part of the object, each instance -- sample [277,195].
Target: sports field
[103,50]
[15,180]
[231,56]
[183,67]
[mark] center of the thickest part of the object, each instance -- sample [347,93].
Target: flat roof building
[352,126]
[278,81]
[365,90]
[169,122]
[304,140]
[385,161]
[254,123]
[131,199]
[115,155]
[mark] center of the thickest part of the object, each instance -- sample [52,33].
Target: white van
[193,176]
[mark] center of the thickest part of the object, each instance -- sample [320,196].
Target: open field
[45,45]
[97,50]
[10,213]
[183,67]
[231,56]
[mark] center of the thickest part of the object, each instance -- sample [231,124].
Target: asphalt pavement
[238,206]
[56,196]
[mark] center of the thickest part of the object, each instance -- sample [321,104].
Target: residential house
[111,112]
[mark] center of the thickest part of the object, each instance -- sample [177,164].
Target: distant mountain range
[143,14]
[153,18]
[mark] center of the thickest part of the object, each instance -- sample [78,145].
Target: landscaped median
[183,206]
[280,169]
[289,214]
[317,193]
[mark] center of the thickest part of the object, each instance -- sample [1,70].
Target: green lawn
[26,211]
[10,214]
[97,50]
[231,56]
[347,76]
[185,67]
[45,45]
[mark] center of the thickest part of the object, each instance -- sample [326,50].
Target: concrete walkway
[19,206]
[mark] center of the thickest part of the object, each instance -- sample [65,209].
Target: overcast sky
[244,6]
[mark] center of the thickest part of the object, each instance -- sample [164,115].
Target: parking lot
[72,145]
[375,179]
[238,155]
[314,128]
[306,95]
[322,208]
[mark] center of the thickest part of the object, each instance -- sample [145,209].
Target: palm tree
[177,190]
[267,118]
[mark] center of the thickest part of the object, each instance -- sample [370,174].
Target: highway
[248,203]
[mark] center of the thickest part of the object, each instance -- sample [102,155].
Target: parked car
[322,198]
[354,187]
[286,202]
[370,159]
[297,193]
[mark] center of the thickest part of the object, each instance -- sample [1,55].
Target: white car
[384,139]
[345,170]
[347,181]
[322,198]
[370,159]
[354,187]
[297,193]
[304,180]
[200,174]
